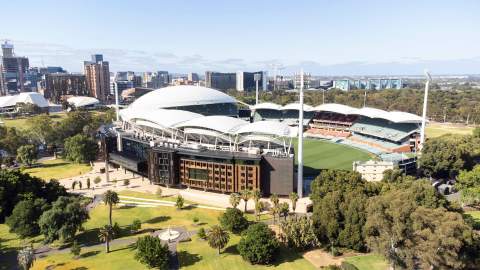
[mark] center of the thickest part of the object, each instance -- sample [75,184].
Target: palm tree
[258,208]
[293,198]
[106,234]
[217,237]
[234,199]
[110,198]
[245,195]
[26,257]
[256,195]
[275,201]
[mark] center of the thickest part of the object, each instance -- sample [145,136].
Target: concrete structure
[220,81]
[97,74]
[61,85]
[372,170]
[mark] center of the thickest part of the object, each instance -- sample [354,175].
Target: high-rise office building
[13,69]
[220,81]
[246,81]
[97,75]
[297,80]
[193,77]
[58,86]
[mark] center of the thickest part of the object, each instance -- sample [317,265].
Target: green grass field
[438,129]
[21,122]
[319,154]
[58,169]
[368,262]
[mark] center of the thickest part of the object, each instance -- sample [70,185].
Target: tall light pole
[116,101]
[365,99]
[300,140]
[256,77]
[424,114]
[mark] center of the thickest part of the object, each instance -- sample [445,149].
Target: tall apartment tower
[97,75]
[13,70]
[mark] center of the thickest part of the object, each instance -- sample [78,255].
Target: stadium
[191,136]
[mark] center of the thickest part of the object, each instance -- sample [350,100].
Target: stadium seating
[380,128]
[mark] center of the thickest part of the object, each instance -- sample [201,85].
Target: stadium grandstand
[190,139]
[287,114]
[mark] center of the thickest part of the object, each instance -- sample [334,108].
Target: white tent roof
[26,97]
[81,101]
[266,105]
[404,117]
[162,117]
[182,95]
[296,106]
[336,108]
[223,124]
[266,127]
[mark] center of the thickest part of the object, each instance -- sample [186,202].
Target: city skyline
[346,38]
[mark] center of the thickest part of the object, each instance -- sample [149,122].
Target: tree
[110,198]
[75,249]
[217,237]
[88,183]
[245,195]
[299,234]
[24,218]
[293,199]
[468,183]
[126,182]
[284,209]
[27,154]
[16,186]
[151,252]
[136,225]
[11,139]
[274,209]
[179,202]
[258,244]
[105,234]
[26,257]
[202,234]
[80,184]
[234,200]
[80,149]
[233,220]
[62,220]
[97,180]
[159,192]
[74,184]
[42,128]
[259,207]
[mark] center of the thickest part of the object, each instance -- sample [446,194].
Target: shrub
[126,182]
[136,225]
[348,266]
[195,219]
[75,249]
[233,220]
[202,234]
[179,202]
[159,192]
[88,183]
[258,244]
[151,252]
[97,180]
[74,184]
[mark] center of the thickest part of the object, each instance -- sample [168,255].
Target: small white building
[372,170]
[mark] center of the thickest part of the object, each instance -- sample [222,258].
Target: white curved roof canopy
[222,124]
[336,108]
[26,97]
[266,127]
[296,106]
[161,117]
[182,95]
[404,117]
[81,101]
[267,106]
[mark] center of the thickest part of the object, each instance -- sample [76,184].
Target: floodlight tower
[300,140]
[424,114]
[116,103]
[256,77]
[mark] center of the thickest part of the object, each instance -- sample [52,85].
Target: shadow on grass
[79,268]
[127,206]
[90,254]
[285,254]
[131,246]
[53,165]
[8,258]
[158,219]
[231,250]
[190,207]
[88,237]
[188,259]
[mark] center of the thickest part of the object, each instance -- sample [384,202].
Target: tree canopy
[258,244]
[80,149]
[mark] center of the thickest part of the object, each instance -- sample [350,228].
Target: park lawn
[474,214]
[197,254]
[120,257]
[21,122]
[58,169]
[368,262]
[151,196]
[9,244]
[437,130]
[318,154]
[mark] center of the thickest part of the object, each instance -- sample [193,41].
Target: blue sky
[325,37]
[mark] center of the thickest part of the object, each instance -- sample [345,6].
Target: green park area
[438,129]
[57,169]
[368,262]
[320,154]
[21,122]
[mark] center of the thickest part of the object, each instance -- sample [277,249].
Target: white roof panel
[296,106]
[26,97]
[336,108]
[223,124]
[162,117]
[81,101]
[267,106]
[182,95]
[266,127]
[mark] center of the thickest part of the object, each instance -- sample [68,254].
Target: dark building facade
[220,81]
[58,85]
[209,170]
